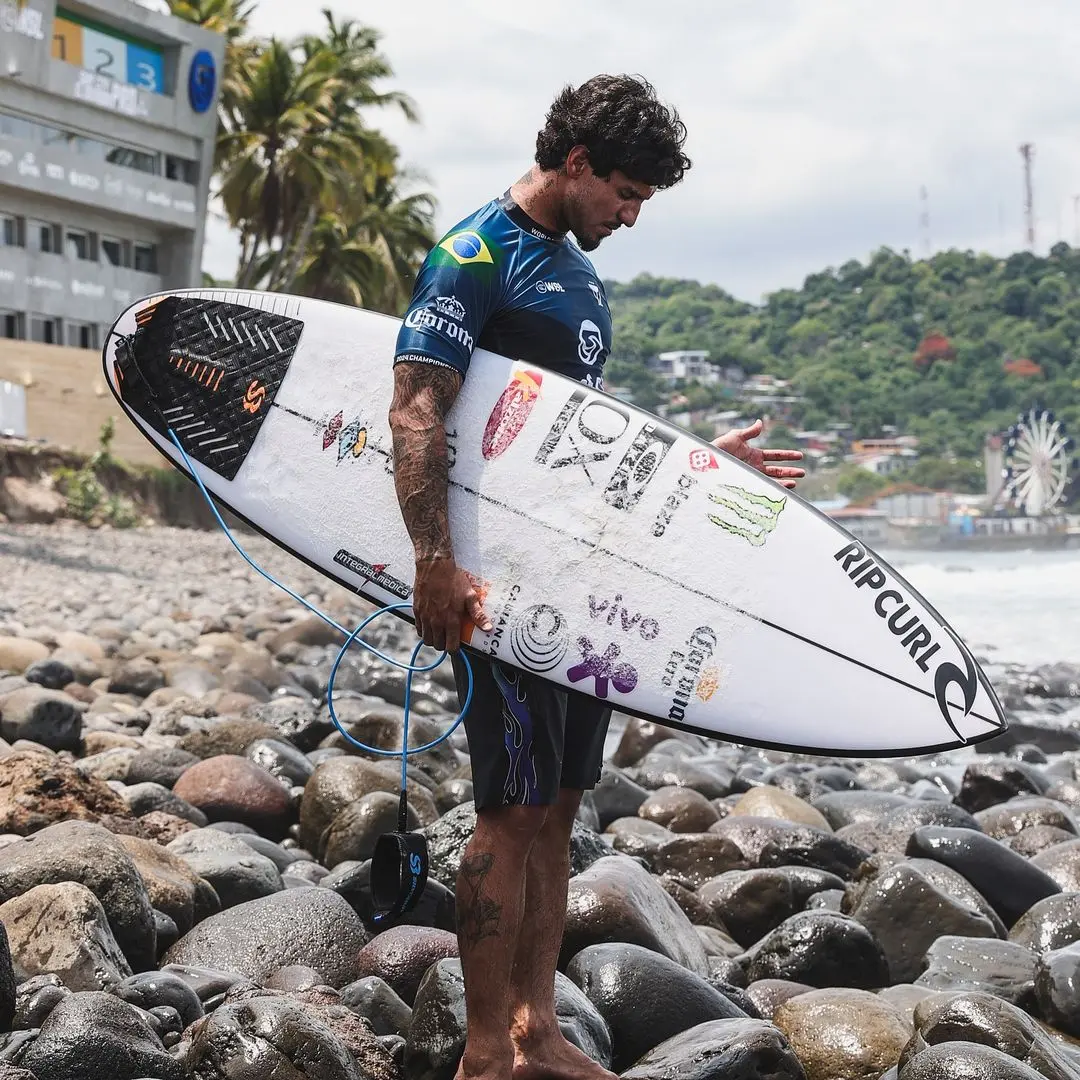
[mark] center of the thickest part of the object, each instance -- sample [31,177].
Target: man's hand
[444,598]
[737,444]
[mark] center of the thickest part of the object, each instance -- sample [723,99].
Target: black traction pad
[209,370]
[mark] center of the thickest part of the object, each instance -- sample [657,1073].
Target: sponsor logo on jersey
[426,319]
[549,287]
[745,513]
[373,572]
[467,247]
[598,296]
[451,307]
[510,412]
[590,342]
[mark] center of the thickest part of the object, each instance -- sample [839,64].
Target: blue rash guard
[500,281]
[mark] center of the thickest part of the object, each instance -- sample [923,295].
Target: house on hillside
[690,365]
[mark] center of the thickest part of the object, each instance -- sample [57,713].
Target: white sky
[813,123]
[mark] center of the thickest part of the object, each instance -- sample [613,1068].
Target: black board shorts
[528,737]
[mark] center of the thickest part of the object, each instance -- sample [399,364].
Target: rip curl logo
[253,399]
[745,514]
[590,342]
[602,669]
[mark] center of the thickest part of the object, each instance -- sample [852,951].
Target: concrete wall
[67,399]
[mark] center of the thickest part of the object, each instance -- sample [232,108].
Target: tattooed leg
[490,900]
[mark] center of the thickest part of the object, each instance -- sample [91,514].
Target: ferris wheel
[1038,462]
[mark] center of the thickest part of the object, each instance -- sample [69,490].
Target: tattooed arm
[442,594]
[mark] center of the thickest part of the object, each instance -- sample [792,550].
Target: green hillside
[948,349]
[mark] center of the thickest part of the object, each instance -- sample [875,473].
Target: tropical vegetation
[316,194]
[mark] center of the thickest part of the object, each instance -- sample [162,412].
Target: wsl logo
[466,248]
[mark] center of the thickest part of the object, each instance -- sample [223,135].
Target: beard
[585,241]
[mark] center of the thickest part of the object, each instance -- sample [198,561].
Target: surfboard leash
[400,861]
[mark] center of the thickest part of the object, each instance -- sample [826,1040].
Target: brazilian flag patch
[466,247]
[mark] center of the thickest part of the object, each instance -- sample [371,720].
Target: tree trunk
[299,250]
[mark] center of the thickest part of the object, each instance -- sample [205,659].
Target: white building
[690,364]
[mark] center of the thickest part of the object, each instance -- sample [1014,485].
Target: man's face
[597,206]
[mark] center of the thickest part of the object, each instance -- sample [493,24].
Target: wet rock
[63,930]
[341,781]
[375,1000]
[163,828]
[637,837]
[401,956]
[226,737]
[293,719]
[1031,842]
[1057,988]
[680,809]
[750,903]
[236,871]
[1008,881]
[294,977]
[382,729]
[842,808]
[163,765]
[965,1061]
[230,788]
[769,802]
[1003,968]
[1062,864]
[767,995]
[616,795]
[822,949]
[90,855]
[451,793]
[52,673]
[696,857]
[615,900]
[640,736]
[766,842]
[629,984]
[987,783]
[34,1000]
[907,914]
[660,771]
[49,717]
[1009,818]
[987,1019]
[140,677]
[356,830]
[36,791]
[311,926]
[153,989]
[842,1033]
[17,653]
[892,832]
[1052,923]
[96,1036]
[283,859]
[448,837]
[146,798]
[173,887]
[280,759]
[272,1036]
[721,1050]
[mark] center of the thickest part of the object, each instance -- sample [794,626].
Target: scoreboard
[105,51]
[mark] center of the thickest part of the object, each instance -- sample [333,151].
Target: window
[134,159]
[177,168]
[145,257]
[45,329]
[12,231]
[82,335]
[80,244]
[16,127]
[45,236]
[11,324]
[116,252]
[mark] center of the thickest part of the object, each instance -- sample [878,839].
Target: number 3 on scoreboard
[146,76]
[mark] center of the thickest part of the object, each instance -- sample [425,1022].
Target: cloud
[812,126]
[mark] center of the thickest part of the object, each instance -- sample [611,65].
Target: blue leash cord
[399,863]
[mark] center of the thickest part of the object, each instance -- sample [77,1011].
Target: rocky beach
[185,836]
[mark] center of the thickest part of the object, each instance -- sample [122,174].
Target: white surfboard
[616,554]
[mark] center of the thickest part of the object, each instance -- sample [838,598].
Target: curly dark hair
[622,124]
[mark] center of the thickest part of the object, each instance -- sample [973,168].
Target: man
[508,279]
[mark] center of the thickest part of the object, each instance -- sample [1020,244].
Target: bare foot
[555,1058]
[495,1067]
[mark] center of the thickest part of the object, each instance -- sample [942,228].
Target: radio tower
[924,220]
[1027,152]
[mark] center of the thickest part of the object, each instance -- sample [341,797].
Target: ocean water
[1011,607]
